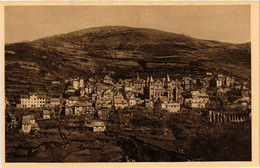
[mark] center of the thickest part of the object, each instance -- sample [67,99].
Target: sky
[222,23]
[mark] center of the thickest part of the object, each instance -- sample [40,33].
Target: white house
[81,83]
[46,114]
[75,84]
[32,100]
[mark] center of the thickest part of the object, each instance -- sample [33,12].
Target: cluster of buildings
[129,93]
[88,96]
[103,95]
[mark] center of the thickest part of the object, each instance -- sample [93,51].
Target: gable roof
[107,78]
[46,112]
[27,119]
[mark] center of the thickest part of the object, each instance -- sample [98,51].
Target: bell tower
[151,88]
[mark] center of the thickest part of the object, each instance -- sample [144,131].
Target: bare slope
[126,50]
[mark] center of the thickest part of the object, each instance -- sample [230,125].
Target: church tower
[147,81]
[168,81]
[151,88]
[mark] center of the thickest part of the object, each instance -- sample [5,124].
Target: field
[171,137]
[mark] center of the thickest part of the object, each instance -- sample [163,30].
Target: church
[166,90]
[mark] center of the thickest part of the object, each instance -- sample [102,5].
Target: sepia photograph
[129,83]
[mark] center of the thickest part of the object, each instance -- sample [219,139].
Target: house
[29,124]
[69,111]
[199,99]
[94,97]
[55,83]
[104,99]
[71,89]
[245,93]
[103,113]
[108,80]
[138,85]
[198,103]
[171,106]
[220,80]
[186,82]
[46,114]
[118,86]
[100,87]
[132,101]
[228,81]
[238,87]
[119,101]
[220,92]
[89,88]
[81,108]
[128,87]
[91,80]
[82,92]
[75,84]
[149,104]
[139,101]
[72,100]
[81,83]
[108,93]
[33,100]
[54,102]
[26,124]
[209,74]
[218,83]
[96,126]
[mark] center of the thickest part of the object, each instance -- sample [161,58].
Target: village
[109,107]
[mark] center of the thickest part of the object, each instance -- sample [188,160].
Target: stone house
[26,124]
[54,101]
[89,88]
[96,126]
[46,114]
[149,104]
[171,106]
[70,89]
[72,100]
[29,124]
[108,80]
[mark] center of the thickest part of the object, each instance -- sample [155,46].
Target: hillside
[123,51]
